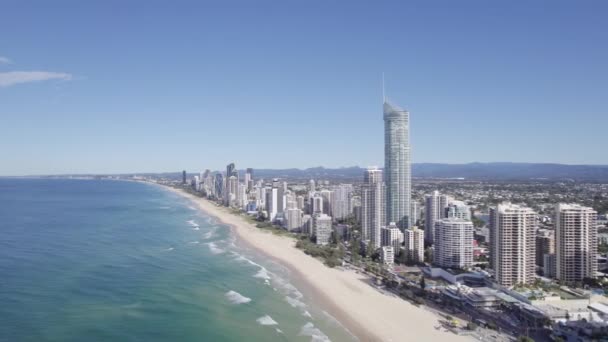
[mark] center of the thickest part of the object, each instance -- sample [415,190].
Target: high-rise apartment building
[453,243]
[322,228]
[575,242]
[545,244]
[397,164]
[512,243]
[458,209]
[340,201]
[413,240]
[372,206]
[391,235]
[294,219]
[435,205]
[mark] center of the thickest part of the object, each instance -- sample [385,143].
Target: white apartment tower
[294,219]
[512,243]
[272,203]
[575,242]
[453,243]
[340,201]
[434,209]
[372,206]
[322,228]
[397,164]
[414,244]
[391,235]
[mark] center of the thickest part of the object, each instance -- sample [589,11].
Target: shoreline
[344,294]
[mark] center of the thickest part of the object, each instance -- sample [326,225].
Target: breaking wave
[236,298]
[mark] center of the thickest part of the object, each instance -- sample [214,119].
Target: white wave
[210,234]
[278,330]
[164,208]
[294,302]
[262,274]
[169,249]
[315,334]
[214,248]
[193,223]
[236,298]
[196,228]
[266,320]
[194,242]
[191,207]
[306,314]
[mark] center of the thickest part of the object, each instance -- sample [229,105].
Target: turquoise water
[85,260]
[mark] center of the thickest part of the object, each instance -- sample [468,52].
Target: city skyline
[137,100]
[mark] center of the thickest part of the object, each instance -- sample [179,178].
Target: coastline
[344,294]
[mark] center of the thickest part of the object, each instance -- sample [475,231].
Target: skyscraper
[413,244]
[272,203]
[576,243]
[453,243]
[512,244]
[435,206]
[458,209]
[219,186]
[327,196]
[372,210]
[294,219]
[397,165]
[230,170]
[391,236]
[184,177]
[340,201]
[322,228]
[249,179]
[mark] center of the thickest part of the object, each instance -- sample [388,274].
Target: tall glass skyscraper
[397,165]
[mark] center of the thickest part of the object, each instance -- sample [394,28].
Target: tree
[423,285]
[524,339]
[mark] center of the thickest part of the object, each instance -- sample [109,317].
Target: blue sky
[133,86]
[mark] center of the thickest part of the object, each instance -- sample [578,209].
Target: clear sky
[134,86]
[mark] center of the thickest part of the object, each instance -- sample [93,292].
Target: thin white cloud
[4,60]
[10,78]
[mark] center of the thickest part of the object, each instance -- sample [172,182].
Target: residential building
[397,164]
[322,228]
[576,243]
[545,244]
[272,203]
[414,245]
[512,244]
[372,210]
[388,255]
[294,219]
[340,201]
[391,235]
[435,206]
[458,209]
[453,243]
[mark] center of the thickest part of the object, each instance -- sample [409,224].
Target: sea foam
[214,248]
[266,320]
[316,335]
[236,298]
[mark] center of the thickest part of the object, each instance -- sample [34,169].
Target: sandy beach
[345,294]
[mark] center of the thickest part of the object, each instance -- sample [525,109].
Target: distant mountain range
[471,171]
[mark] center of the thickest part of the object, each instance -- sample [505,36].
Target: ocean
[100,260]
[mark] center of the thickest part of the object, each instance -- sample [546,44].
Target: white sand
[346,295]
